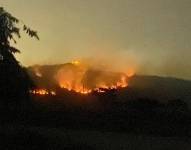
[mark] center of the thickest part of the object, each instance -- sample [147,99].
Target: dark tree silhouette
[14,81]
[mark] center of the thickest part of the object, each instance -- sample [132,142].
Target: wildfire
[77,88]
[42,92]
[81,77]
[75,62]
[130,72]
[86,80]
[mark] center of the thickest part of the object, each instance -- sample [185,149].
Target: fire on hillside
[42,92]
[83,79]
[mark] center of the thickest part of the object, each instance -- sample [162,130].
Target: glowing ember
[42,92]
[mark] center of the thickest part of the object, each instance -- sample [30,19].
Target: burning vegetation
[42,92]
[84,79]
[80,78]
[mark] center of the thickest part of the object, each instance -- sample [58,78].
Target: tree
[14,81]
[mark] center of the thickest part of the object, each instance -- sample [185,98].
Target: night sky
[151,36]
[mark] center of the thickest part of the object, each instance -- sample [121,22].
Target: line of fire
[75,77]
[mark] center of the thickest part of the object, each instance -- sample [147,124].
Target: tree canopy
[9,28]
[14,80]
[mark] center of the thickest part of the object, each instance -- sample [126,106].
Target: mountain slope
[140,86]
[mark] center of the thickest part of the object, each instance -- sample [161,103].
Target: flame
[83,80]
[123,82]
[76,62]
[42,92]
[76,88]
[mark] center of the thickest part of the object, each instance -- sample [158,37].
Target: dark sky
[152,36]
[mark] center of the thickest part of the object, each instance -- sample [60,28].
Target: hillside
[139,86]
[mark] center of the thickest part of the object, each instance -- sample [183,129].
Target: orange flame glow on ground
[42,92]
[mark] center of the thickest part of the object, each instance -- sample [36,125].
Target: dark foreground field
[76,131]
[19,137]
[139,124]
